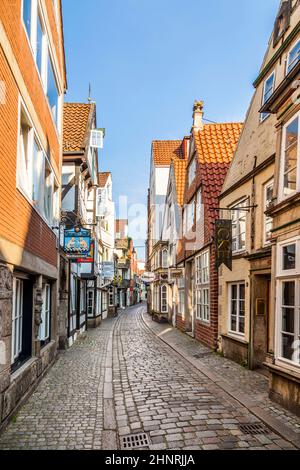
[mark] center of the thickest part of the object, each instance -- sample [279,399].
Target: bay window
[289,181]
[202,286]
[237,308]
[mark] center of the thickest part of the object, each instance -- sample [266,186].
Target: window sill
[236,337]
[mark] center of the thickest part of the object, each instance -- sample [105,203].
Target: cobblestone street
[122,379]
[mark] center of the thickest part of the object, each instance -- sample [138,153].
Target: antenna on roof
[90,92]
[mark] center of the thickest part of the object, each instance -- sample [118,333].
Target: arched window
[165,258]
[164,299]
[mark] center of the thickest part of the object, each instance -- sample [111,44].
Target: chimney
[198,114]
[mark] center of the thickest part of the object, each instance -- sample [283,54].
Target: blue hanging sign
[77,242]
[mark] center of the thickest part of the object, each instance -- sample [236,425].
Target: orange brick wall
[19,222]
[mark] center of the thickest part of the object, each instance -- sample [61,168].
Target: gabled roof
[76,125]
[165,151]
[103,177]
[215,146]
[180,172]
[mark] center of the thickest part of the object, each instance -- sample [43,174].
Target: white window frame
[164,299]
[283,196]
[202,286]
[229,286]
[267,219]
[17,319]
[279,267]
[242,203]
[44,330]
[192,171]
[288,69]
[90,302]
[264,116]
[278,328]
[164,258]
[190,215]
[47,52]
[111,297]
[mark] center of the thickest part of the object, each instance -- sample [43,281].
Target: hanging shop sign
[108,270]
[148,277]
[77,242]
[223,240]
[90,256]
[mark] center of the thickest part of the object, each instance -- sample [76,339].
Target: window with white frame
[164,299]
[111,296]
[202,286]
[181,295]
[268,221]
[17,319]
[90,302]
[238,217]
[190,215]
[237,308]
[36,32]
[198,205]
[165,258]
[44,330]
[289,181]
[293,57]
[192,171]
[268,90]
[35,176]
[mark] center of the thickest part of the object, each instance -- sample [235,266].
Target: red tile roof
[165,151]
[77,117]
[215,147]
[102,178]
[180,172]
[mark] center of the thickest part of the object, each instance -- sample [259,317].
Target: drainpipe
[252,235]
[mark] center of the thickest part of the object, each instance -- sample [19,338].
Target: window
[190,215]
[238,217]
[40,47]
[268,90]
[202,286]
[164,299]
[293,57]
[17,319]
[199,205]
[192,171]
[268,221]
[289,179]
[289,321]
[237,308]
[97,138]
[35,176]
[90,302]
[27,16]
[111,296]
[44,331]
[165,258]
[181,295]
[52,91]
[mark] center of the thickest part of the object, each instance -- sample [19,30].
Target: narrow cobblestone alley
[122,379]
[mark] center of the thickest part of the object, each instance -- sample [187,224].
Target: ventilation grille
[254,428]
[132,441]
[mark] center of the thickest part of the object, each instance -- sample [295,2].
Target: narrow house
[33,83]
[210,152]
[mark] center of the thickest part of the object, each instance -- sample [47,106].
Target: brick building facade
[33,82]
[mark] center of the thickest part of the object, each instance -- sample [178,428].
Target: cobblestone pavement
[123,379]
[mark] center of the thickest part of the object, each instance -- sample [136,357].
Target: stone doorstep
[284,431]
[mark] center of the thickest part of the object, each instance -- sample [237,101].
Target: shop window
[164,299]
[202,286]
[237,308]
[44,331]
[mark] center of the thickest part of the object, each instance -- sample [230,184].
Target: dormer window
[97,138]
[192,171]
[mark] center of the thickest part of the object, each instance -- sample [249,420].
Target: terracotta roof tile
[180,172]
[215,147]
[75,125]
[165,151]
[102,178]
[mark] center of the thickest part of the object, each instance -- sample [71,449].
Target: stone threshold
[272,422]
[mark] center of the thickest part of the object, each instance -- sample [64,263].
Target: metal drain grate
[132,441]
[254,428]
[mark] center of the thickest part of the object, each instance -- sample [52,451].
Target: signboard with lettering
[107,270]
[223,240]
[77,242]
[90,256]
[148,278]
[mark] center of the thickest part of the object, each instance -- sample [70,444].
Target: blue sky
[148,60]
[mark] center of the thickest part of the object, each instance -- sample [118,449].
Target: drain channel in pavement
[132,441]
[254,428]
